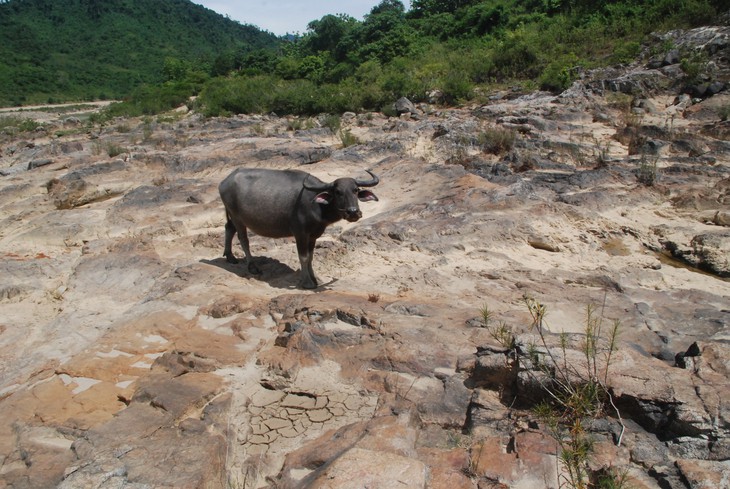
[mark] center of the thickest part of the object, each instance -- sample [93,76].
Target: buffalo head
[343,194]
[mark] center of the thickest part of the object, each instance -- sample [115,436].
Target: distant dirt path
[54,107]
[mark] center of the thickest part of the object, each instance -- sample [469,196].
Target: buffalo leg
[227,251]
[243,238]
[311,259]
[242,232]
[305,248]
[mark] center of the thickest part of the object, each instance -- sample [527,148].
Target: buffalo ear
[366,196]
[323,198]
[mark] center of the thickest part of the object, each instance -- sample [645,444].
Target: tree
[425,8]
[385,34]
[175,69]
[327,33]
[94,8]
[483,18]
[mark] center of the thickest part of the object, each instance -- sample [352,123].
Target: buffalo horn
[369,183]
[317,188]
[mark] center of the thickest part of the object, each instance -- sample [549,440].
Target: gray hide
[281,203]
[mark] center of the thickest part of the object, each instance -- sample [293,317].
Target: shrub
[398,81]
[647,173]
[497,140]
[147,129]
[515,58]
[297,124]
[668,14]
[693,65]
[264,93]
[626,51]
[238,95]
[338,98]
[152,99]
[292,97]
[348,139]
[456,87]
[13,124]
[724,112]
[333,122]
[559,74]
[114,150]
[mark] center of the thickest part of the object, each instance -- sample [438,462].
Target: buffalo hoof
[252,268]
[231,259]
[308,283]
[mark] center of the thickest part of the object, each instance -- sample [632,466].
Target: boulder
[404,106]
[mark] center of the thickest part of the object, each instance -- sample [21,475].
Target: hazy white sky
[288,16]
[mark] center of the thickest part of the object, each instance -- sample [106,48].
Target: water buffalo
[280,203]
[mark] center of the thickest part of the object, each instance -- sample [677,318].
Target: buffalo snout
[353,214]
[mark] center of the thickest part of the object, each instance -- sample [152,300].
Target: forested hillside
[57,50]
[449,51]
[157,53]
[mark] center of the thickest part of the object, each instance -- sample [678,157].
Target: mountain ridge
[97,49]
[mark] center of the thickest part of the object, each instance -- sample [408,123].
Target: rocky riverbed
[133,355]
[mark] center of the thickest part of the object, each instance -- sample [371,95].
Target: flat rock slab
[381,470]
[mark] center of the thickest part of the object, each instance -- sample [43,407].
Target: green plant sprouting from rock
[575,390]
[648,170]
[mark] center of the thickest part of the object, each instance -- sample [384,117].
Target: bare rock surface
[134,356]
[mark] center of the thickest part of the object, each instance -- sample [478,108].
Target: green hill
[453,51]
[59,50]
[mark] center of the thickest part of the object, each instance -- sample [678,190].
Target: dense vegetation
[59,50]
[457,47]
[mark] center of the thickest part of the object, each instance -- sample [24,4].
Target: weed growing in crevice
[497,140]
[13,124]
[333,122]
[500,331]
[724,112]
[114,150]
[574,389]
[348,138]
[147,129]
[648,172]
[601,153]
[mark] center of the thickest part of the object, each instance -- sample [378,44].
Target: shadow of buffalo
[273,272]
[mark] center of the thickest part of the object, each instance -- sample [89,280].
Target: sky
[288,16]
